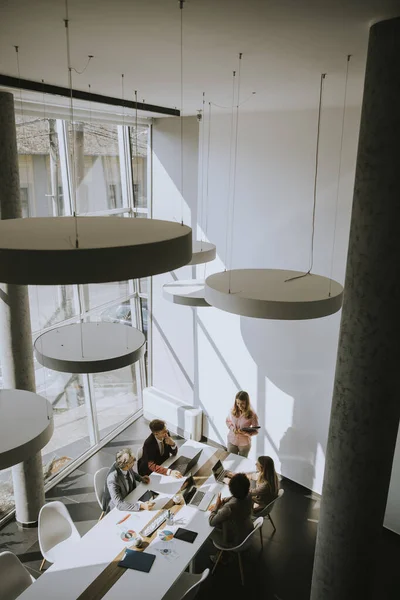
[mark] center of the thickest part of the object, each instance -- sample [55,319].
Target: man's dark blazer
[152,457]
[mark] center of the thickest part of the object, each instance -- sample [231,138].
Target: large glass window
[87,167]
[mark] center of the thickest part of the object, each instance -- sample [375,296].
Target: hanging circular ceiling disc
[203,252]
[26,425]
[265,294]
[90,347]
[42,251]
[188,292]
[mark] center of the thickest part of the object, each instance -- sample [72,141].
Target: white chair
[137,452]
[13,576]
[239,549]
[266,512]
[187,586]
[99,482]
[57,531]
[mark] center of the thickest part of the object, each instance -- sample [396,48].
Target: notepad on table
[139,561]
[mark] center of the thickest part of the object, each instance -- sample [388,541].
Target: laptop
[219,472]
[194,497]
[183,464]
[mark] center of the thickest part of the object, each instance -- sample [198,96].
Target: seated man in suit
[121,481]
[231,517]
[156,449]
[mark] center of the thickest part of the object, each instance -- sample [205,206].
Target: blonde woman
[240,419]
[267,483]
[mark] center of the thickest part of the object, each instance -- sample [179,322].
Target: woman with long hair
[267,483]
[240,422]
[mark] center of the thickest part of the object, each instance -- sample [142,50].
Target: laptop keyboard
[197,498]
[179,464]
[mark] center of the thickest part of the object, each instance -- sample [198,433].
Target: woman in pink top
[241,416]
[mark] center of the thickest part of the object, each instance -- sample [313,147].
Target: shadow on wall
[297,359]
[197,402]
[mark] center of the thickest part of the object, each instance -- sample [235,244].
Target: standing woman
[241,416]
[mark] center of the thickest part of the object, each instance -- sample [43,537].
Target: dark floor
[282,571]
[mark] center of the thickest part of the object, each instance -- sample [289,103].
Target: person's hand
[211,507]
[168,440]
[147,505]
[176,474]
[228,474]
[236,431]
[145,479]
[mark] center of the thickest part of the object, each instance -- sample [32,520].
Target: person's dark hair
[244,397]
[268,474]
[156,425]
[239,486]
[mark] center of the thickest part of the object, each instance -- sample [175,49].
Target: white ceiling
[286,44]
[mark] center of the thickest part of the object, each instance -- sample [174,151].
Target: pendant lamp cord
[73,182]
[234,172]
[207,179]
[22,113]
[136,203]
[181,3]
[321,87]
[207,171]
[340,168]
[228,212]
[202,195]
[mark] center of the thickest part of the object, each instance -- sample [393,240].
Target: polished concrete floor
[281,571]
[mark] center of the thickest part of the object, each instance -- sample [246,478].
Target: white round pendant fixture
[203,252]
[26,425]
[189,292]
[90,347]
[266,294]
[67,250]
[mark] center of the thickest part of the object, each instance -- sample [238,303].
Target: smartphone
[148,495]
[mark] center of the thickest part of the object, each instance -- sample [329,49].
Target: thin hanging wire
[181,3]
[321,87]
[90,56]
[73,170]
[207,170]
[207,178]
[340,168]
[23,120]
[136,150]
[90,104]
[234,171]
[230,107]
[230,172]
[202,216]
[123,99]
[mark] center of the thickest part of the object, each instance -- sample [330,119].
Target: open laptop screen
[217,469]
[187,488]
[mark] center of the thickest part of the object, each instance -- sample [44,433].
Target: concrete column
[16,355]
[365,407]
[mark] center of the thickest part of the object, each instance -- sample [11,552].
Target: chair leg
[42,564]
[217,561]
[261,538]
[101,516]
[241,568]
[272,523]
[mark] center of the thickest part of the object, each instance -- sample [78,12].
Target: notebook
[139,561]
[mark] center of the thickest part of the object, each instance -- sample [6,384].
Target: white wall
[205,356]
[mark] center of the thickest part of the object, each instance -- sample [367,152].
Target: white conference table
[72,574]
